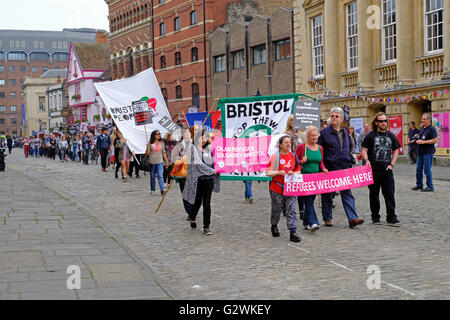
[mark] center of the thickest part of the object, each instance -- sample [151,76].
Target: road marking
[396,287]
[340,265]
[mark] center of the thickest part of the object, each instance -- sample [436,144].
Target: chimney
[101,37]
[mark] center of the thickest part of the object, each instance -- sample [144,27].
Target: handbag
[145,163]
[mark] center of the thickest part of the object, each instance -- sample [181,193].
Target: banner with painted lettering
[334,181]
[396,127]
[241,155]
[442,122]
[257,116]
[119,96]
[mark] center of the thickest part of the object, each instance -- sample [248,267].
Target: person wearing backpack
[103,145]
[283,163]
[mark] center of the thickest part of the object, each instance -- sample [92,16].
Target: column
[365,47]
[331,41]
[120,70]
[144,60]
[136,63]
[114,70]
[405,42]
[446,75]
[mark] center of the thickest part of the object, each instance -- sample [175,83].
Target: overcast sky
[53,15]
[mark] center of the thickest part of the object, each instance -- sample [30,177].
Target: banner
[319,183]
[255,117]
[306,113]
[142,114]
[119,96]
[197,118]
[442,121]
[241,155]
[396,128]
[358,125]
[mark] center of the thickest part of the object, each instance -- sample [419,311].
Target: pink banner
[442,123]
[396,127]
[241,155]
[318,183]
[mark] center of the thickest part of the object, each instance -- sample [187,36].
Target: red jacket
[301,152]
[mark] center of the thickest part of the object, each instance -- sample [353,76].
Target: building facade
[29,54]
[57,99]
[249,58]
[375,55]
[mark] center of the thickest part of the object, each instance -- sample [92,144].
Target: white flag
[119,95]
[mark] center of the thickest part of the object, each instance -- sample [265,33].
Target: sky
[53,15]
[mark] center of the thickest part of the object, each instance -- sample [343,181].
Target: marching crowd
[315,150]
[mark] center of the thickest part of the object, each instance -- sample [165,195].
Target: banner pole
[164,196]
[211,110]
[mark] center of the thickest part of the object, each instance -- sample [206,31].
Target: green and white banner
[256,117]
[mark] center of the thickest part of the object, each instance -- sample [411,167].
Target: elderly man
[426,140]
[335,141]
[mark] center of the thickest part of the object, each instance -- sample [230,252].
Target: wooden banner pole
[164,196]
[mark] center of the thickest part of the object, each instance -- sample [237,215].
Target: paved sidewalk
[42,233]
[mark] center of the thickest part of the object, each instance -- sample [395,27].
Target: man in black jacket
[103,145]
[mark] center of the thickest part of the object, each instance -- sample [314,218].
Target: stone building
[253,57]
[374,55]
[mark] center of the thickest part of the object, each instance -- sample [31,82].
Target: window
[13,108]
[17,56]
[23,69]
[434,26]
[45,69]
[194,18]
[176,24]
[259,55]
[2,121]
[39,56]
[13,121]
[41,103]
[219,63]
[12,82]
[282,50]
[12,68]
[2,56]
[61,57]
[2,69]
[12,95]
[34,69]
[179,92]
[317,46]
[194,54]
[195,94]
[22,94]
[2,95]
[177,58]
[2,82]
[352,36]
[162,1]
[2,108]
[77,87]
[238,59]
[389,31]
[163,62]
[21,81]
[164,94]
[162,29]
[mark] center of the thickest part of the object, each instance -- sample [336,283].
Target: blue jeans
[75,154]
[424,163]
[248,189]
[157,169]
[348,201]
[310,212]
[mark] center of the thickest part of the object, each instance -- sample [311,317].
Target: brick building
[175,45]
[30,53]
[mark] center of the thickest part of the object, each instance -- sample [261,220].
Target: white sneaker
[314,228]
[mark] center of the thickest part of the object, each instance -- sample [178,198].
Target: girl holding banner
[157,151]
[283,163]
[311,158]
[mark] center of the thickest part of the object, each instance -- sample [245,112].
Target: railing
[318,85]
[431,67]
[387,74]
[350,80]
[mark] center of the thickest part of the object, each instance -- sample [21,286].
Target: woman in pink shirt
[158,159]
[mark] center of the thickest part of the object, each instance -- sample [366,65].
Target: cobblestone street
[59,214]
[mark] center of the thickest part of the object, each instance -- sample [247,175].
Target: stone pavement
[42,233]
[240,260]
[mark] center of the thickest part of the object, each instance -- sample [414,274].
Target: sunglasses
[382,121]
[335,117]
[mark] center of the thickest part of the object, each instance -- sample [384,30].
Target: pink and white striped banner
[241,155]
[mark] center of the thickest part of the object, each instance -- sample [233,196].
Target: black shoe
[207,231]
[188,219]
[416,188]
[302,215]
[376,221]
[275,232]
[117,177]
[193,225]
[393,221]
[137,177]
[294,237]
[427,190]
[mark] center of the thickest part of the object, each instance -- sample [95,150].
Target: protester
[201,180]
[380,151]
[169,145]
[103,146]
[352,135]
[123,154]
[63,147]
[337,156]
[86,143]
[311,159]
[413,134]
[426,149]
[282,163]
[117,164]
[158,159]
[9,143]
[52,147]
[26,146]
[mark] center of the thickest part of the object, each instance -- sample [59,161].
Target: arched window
[195,94]
[194,18]
[194,54]
[162,29]
[179,92]
[163,62]
[177,58]
[176,24]
[164,94]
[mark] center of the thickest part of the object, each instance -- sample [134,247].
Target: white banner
[118,97]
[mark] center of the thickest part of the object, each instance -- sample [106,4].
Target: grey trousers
[278,203]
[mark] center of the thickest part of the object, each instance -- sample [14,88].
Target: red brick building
[172,37]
